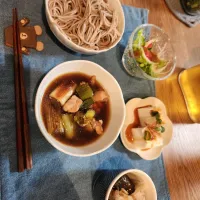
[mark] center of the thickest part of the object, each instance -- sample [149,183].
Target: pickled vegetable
[84,91]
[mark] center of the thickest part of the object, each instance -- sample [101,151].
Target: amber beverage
[189,81]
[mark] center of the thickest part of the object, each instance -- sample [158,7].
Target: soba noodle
[88,23]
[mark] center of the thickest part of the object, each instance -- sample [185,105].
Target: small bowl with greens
[149,53]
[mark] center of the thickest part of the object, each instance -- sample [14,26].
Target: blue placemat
[54,174]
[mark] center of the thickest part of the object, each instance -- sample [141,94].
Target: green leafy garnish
[148,70]
[159,121]
[162,129]
[158,129]
[161,64]
[147,135]
[154,113]
[139,41]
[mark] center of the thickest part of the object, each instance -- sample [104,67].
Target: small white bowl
[148,188]
[61,36]
[155,152]
[117,105]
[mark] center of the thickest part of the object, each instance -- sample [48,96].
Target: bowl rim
[126,172]
[79,48]
[38,113]
[168,38]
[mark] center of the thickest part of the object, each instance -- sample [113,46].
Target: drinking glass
[161,45]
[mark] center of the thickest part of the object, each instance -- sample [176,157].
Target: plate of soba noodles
[86,26]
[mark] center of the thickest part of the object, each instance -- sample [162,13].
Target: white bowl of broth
[108,114]
[63,16]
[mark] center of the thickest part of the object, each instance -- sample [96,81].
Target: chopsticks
[24,156]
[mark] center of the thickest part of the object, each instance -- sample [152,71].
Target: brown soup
[82,136]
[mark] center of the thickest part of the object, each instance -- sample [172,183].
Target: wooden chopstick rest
[28,36]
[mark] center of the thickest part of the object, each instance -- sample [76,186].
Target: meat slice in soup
[100,96]
[73,104]
[75,109]
[93,80]
[97,125]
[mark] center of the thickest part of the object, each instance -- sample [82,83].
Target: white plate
[116,99]
[167,135]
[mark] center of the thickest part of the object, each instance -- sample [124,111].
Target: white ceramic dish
[61,36]
[153,153]
[148,185]
[117,115]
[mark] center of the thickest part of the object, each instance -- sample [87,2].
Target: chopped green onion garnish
[147,135]
[154,113]
[162,129]
[159,121]
[158,129]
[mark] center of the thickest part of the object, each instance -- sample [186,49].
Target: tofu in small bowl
[147,128]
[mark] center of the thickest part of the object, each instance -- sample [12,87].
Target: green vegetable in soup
[69,125]
[80,119]
[87,103]
[90,114]
[84,91]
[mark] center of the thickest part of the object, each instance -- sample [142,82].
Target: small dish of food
[89,26]
[147,128]
[77,112]
[149,53]
[132,184]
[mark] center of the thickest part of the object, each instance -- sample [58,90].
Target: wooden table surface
[182,155]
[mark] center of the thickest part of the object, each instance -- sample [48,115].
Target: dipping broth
[87,121]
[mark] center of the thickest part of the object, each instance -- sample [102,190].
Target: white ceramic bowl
[148,187]
[155,152]
[61,36]
[116,100]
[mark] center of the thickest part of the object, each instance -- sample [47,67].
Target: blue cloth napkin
[54,174]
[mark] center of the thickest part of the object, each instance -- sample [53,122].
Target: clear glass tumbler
[161,49]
